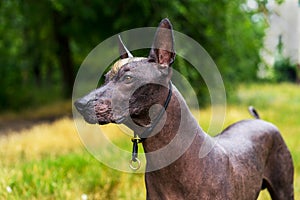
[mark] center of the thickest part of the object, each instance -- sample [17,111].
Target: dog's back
[263,152]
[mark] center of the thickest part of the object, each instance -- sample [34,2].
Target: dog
[245,158]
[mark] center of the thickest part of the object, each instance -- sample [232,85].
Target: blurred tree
[44,42]
[284,69]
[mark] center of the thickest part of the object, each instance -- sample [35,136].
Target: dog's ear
[124,53]
[162,51]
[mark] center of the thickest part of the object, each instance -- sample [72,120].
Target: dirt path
[7,126]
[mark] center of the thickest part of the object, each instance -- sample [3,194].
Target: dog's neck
[178,122]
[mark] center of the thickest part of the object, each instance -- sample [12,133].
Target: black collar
[148,131]
[135,140]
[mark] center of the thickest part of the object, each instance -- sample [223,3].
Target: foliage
[283,68]
[44,42]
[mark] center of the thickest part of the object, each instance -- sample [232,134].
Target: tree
[284,69]
[44,42]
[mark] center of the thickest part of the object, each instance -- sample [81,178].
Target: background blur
[44,42]
[254,43]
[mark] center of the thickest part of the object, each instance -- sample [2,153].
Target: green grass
[49,161]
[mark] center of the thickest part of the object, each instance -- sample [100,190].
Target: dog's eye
[128,79]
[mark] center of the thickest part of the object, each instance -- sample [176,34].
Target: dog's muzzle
[86,109]
[97,111]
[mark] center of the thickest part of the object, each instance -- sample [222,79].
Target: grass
[49,161]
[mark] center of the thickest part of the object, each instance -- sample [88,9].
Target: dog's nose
[80,104]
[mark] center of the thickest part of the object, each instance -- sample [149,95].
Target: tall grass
[49,161]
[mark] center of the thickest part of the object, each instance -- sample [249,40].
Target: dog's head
[133,84]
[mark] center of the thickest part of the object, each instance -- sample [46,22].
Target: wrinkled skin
[247,157]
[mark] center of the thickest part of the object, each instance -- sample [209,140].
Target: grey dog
[246,157]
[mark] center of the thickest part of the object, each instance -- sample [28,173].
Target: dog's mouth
[104,121]
[110,115]
[107,121]
[101,112]
[93,116]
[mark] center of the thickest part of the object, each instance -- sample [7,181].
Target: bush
[285,71]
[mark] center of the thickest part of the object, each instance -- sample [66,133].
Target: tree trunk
[298,73]
[63,52]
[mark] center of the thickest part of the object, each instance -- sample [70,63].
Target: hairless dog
[244,159]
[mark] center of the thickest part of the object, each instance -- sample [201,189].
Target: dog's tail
[253,112]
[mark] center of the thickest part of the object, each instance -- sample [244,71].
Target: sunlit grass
[49,161]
